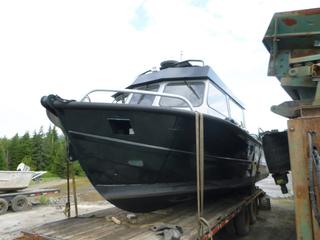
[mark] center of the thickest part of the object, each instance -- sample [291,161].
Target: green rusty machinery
[293,41]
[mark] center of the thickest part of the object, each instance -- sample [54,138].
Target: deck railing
[140,92]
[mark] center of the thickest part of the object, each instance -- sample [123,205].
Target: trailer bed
[99,225]
[29,192]
[18,200]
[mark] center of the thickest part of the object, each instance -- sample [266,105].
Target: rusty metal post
[68,208]
[307,227]
[74,192]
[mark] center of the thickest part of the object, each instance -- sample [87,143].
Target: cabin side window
[236,112]
[217,102]
[144,99]
[193,91]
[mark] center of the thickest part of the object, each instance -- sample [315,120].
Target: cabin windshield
[144,99]
[193,91]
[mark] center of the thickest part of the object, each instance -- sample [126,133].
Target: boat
[139,151]
[36,174]
[14,180]
[11,181]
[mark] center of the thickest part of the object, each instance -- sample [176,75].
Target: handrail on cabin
[140,92]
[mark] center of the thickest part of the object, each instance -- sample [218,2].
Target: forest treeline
[45,151]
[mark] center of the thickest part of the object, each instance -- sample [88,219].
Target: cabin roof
[184,73]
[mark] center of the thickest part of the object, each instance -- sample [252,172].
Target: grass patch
[47,177]
[44,199]
[50,175]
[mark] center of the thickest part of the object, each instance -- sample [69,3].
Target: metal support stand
[307,227]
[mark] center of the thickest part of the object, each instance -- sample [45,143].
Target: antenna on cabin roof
[181,55]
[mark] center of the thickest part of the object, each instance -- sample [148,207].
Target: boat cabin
[198,84]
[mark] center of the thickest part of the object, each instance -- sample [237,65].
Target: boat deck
[99,225]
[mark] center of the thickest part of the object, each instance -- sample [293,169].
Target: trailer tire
[230,229]
[3,206]
[19,203]
[265,203]
[257,205]
[242,222]
[253,211]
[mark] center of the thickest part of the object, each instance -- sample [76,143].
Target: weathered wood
[98,225]
[306,226]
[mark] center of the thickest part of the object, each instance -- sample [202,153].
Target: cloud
[141,18]
[199,3]
[70,47]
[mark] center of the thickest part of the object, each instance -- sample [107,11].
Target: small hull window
[121,126]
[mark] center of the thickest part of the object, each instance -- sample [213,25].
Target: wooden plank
[306,226]
[67,227]
[52,228]
[97,226]
[85,228]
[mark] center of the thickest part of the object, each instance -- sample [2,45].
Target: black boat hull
[143,158]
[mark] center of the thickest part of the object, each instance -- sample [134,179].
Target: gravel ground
[12,223]
[276,224]
[279,223]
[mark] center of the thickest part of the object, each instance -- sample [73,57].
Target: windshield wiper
[192,89]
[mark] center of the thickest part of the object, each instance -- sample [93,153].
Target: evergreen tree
[4,143]
[2,160]
[15,154]
[43,151]
[38,154]
[51,147]
[26,150]
[59,163]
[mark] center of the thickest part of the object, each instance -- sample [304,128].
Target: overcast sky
[71,47]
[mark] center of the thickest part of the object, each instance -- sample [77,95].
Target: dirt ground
[278,223]
[275,224]
[50,208]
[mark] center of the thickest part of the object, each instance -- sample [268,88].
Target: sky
[71,47]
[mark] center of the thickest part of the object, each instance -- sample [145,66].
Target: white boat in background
[36,174]
[15,180]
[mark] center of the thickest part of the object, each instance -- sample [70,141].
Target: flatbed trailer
[114,223]
[18,200]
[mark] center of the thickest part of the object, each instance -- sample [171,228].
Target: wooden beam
[307,227]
